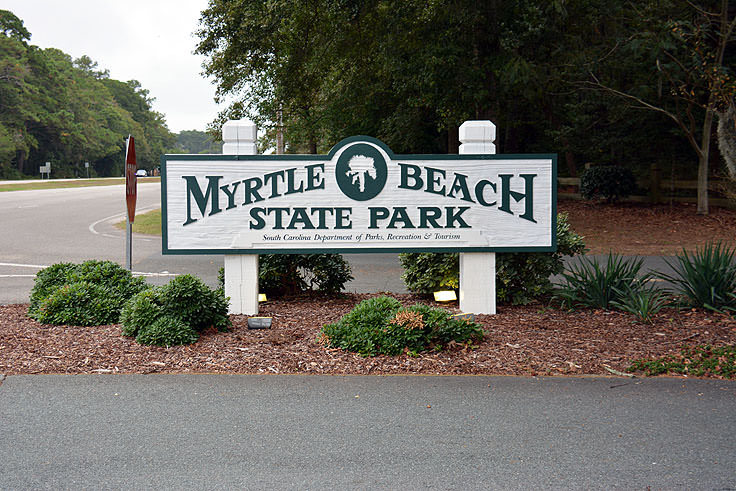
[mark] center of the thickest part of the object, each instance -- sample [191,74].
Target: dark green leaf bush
[90,293]
[427,272]
[592,284]
[643,300]
[610,182]
[281,274]
[380,325]
[167,331]
[141,311]
[174,313]
[189,299]
[79,304]
[521,277]
[47,280]
[705,278]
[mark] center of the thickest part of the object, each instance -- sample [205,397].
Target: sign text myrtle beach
[358,196]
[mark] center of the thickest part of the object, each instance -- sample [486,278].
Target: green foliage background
[521,277]
[536,69]
[68,112]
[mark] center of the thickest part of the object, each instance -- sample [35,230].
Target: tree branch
[645,105]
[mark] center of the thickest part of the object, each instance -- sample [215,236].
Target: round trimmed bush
[167,331]
[289,274]
[189,299]
[100,290]
[47,281]
[174,313]
[80,304]
[610,182]
[140,311]
[380,325]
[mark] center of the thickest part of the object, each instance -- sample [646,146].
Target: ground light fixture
[259,322]
[262,297]
[445,296]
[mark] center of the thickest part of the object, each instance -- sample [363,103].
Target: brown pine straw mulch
[528,340]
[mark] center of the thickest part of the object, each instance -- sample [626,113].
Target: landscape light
[445,296]
[262,297]
[259,322]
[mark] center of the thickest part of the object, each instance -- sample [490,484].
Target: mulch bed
[527,340]
[648,230]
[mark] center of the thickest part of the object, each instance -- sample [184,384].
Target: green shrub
[47,281]
[189,299]
[141,311]
[706,278]
[427,272]
[442,328]
[360,330]
[107,280]
[112,276]
[174,313]
[644,301]
[79,304]
[610,182]
[167,331]
[589,284]
[381,326]
[521,277]
[281,274]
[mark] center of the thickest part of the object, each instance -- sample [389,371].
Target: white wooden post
[241,270]
[477,269]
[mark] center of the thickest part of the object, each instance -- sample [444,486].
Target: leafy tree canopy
[410,71]
[68,112]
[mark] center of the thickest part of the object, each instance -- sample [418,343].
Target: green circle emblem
[361,172]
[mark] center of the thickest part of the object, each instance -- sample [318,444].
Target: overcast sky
[147,40]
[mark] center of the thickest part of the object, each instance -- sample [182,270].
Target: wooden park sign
[360,197]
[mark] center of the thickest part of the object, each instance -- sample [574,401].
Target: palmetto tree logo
[361,172]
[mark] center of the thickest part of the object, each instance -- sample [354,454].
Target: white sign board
[358,198]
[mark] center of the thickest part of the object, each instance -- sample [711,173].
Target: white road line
[135,273]
[38,266]
[149,275]
[121,216]
[16,265]
[93,225]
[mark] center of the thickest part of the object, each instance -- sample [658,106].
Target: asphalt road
[304,432]
[43,227]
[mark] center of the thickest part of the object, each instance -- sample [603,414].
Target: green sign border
[326,158]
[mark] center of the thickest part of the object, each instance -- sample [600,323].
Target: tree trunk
[21,160]
[453,140]
[703,185]
[703,161]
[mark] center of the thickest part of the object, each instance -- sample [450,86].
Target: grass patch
[698,361]
[80,183]
[148,223]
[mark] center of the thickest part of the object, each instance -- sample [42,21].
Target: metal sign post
[131,188]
